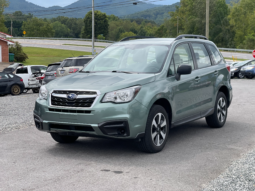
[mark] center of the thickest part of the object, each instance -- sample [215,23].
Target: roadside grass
[85,45]
[238,59]
[45,56]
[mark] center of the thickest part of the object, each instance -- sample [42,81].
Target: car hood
[246,67]
[102,81]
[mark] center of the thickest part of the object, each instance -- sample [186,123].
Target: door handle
[197,79]
[216,72]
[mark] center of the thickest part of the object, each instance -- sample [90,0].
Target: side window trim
[193,56]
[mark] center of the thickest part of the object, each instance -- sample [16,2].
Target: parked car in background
[11,84]
[231,64]
[236,70]
[249,70]
[51,72]
[139,89]
[29,75]
[12,68]
[72,65]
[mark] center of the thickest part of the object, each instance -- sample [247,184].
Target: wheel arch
[166,105]
[225,90]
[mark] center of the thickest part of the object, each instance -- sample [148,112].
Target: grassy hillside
[157,14]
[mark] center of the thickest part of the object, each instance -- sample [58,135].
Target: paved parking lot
[193,157]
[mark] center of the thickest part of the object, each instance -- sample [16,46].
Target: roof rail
[135,37]
[190,36]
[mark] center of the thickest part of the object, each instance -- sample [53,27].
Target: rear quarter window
[22,71]
[82,62]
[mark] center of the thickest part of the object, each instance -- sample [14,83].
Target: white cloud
[50,3]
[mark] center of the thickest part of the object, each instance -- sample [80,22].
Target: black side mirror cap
[183,70]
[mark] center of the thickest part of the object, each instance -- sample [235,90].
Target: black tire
[218,118]
[35,90]
[240,75]
[148,143]
[63,138]
[249,77]
[15,90]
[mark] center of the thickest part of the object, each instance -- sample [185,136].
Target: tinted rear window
[81,62]
[52,68]
[22,71]
[35,69]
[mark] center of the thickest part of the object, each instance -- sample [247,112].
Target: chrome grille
[84,98]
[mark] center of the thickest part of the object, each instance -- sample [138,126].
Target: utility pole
[11,26]
[93,28]
[207,19]
[177,25]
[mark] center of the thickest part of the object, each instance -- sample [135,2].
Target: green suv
[138,89]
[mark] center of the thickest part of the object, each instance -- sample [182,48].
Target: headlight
[122,96]
[43,93]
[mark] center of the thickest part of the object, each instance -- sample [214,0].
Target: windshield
[52,68]
[135,58]
[15,65]
[241,63]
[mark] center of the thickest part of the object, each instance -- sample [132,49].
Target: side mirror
[183,70]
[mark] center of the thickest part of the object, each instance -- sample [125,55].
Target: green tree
[19,54]
[161,32]
[38,28]
[61,30]
[126,34]
[101,24]
[3,5]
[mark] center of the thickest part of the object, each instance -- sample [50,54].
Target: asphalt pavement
[61,44]
[194,154]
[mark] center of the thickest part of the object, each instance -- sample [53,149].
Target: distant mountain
[158,14]
[79,8]
[22,5]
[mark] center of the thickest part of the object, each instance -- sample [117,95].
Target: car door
[206,75]
[24,73]
[184,96]
[4,80]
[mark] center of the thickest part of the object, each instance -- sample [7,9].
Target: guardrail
[236,50]
[109,41]
[78,39]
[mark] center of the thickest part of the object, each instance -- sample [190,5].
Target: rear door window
[82,62]
[22,71]
[201,55]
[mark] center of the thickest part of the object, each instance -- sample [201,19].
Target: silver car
[72,65]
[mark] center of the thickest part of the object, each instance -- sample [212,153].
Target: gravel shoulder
[239,176]
[17,111]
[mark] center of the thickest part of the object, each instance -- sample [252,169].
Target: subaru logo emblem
[71,96]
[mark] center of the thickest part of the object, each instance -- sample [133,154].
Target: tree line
[231,26]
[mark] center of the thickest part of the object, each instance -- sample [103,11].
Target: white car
[29,74]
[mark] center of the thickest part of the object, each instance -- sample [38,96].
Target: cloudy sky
[49,3]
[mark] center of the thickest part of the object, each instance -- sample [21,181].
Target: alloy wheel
[221,110]
[240,75]
[159,129]
[15,90]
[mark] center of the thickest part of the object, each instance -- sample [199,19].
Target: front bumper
[123,121]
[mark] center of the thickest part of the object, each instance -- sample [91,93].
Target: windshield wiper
[116,71]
